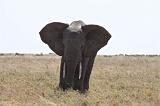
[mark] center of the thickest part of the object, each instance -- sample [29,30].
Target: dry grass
[115,81]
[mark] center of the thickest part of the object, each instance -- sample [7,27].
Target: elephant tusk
[80,70]
[64,70]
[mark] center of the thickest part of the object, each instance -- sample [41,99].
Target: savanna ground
[115,81]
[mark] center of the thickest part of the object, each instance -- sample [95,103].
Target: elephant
[78,45]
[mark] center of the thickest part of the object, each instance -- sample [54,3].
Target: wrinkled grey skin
[78,45]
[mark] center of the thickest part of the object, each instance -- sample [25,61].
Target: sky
[133,24]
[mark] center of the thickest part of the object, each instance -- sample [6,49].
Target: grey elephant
[78,45]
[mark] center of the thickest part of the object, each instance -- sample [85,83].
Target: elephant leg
[61,80]
[70,73]
[82,79]
[76,85]
[88,72]
[78,82]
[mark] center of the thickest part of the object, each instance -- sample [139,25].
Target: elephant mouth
[72,69]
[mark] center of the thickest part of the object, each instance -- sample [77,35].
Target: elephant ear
[96,38]
[52,35]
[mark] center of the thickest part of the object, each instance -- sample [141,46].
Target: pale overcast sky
[133,24]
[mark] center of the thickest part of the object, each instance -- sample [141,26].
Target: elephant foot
[84,91]
[76,85]
[61,87]
[86,86]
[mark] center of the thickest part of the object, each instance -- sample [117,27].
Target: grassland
[29,80]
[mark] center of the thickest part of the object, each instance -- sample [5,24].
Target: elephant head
[78,45]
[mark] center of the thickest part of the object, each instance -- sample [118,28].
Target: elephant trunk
[72,58]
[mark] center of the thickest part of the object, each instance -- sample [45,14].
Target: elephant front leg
[76,85]
[88,73]
[61,79]
[83,73]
